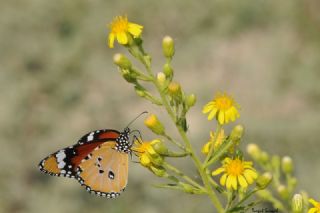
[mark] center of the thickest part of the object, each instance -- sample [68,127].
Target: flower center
[223,102]
[235,167]
[119,24]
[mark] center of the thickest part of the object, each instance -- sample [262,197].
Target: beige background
[57,82]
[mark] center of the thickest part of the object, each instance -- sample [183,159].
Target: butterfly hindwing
[105,173]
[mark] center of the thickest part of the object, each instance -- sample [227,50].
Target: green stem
[174,142]
[182,175]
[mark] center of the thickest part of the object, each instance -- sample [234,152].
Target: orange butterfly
[99,161]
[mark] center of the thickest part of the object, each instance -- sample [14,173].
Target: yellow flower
[146,153]
[316,206]
[236,172]
[122,30]
[223,108]
[221,137]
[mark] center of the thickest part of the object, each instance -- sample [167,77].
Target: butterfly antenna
[136,118]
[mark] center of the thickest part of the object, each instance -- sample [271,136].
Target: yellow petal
[212,114]
[227,160]
[135,29]
[221,117]
[229,182]
[242,181]
[313,210]
[206,148]
[313,202]
[249,175]
[218,171]
[234,182]
[145,160]
[223,179]
[228,115]
[111,40]
[207,107]
[122,38]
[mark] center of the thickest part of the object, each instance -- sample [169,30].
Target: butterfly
[99,161]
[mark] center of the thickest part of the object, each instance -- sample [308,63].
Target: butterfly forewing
[105,172]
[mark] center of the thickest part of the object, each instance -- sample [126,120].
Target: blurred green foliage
[57,82]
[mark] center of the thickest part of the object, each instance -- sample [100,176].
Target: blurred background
[58,82]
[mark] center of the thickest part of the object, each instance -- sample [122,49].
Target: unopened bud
[264,157]
[154,124]
[157,159]
[187,188]
[283,192]
[140,91]
[159,147]
[191,100]
[168,71]
[174,89]
[159,171]
[297,203]
[237,133]
[122,61]
[161,78]
[264,180]
[286,164]
[254,151]
[168,46]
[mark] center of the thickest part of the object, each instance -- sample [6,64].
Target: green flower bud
[168,46]
[283,192]
[159,171]
[187,188]
[190,100]
[159,147]
[122,61]
[140,91]
[157,159]
[286,164]
[264,180]
[128,76]
[264,157]
[297,203]
[237,133]
[154,124]
[168,71]
[174,89]
[254,151]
